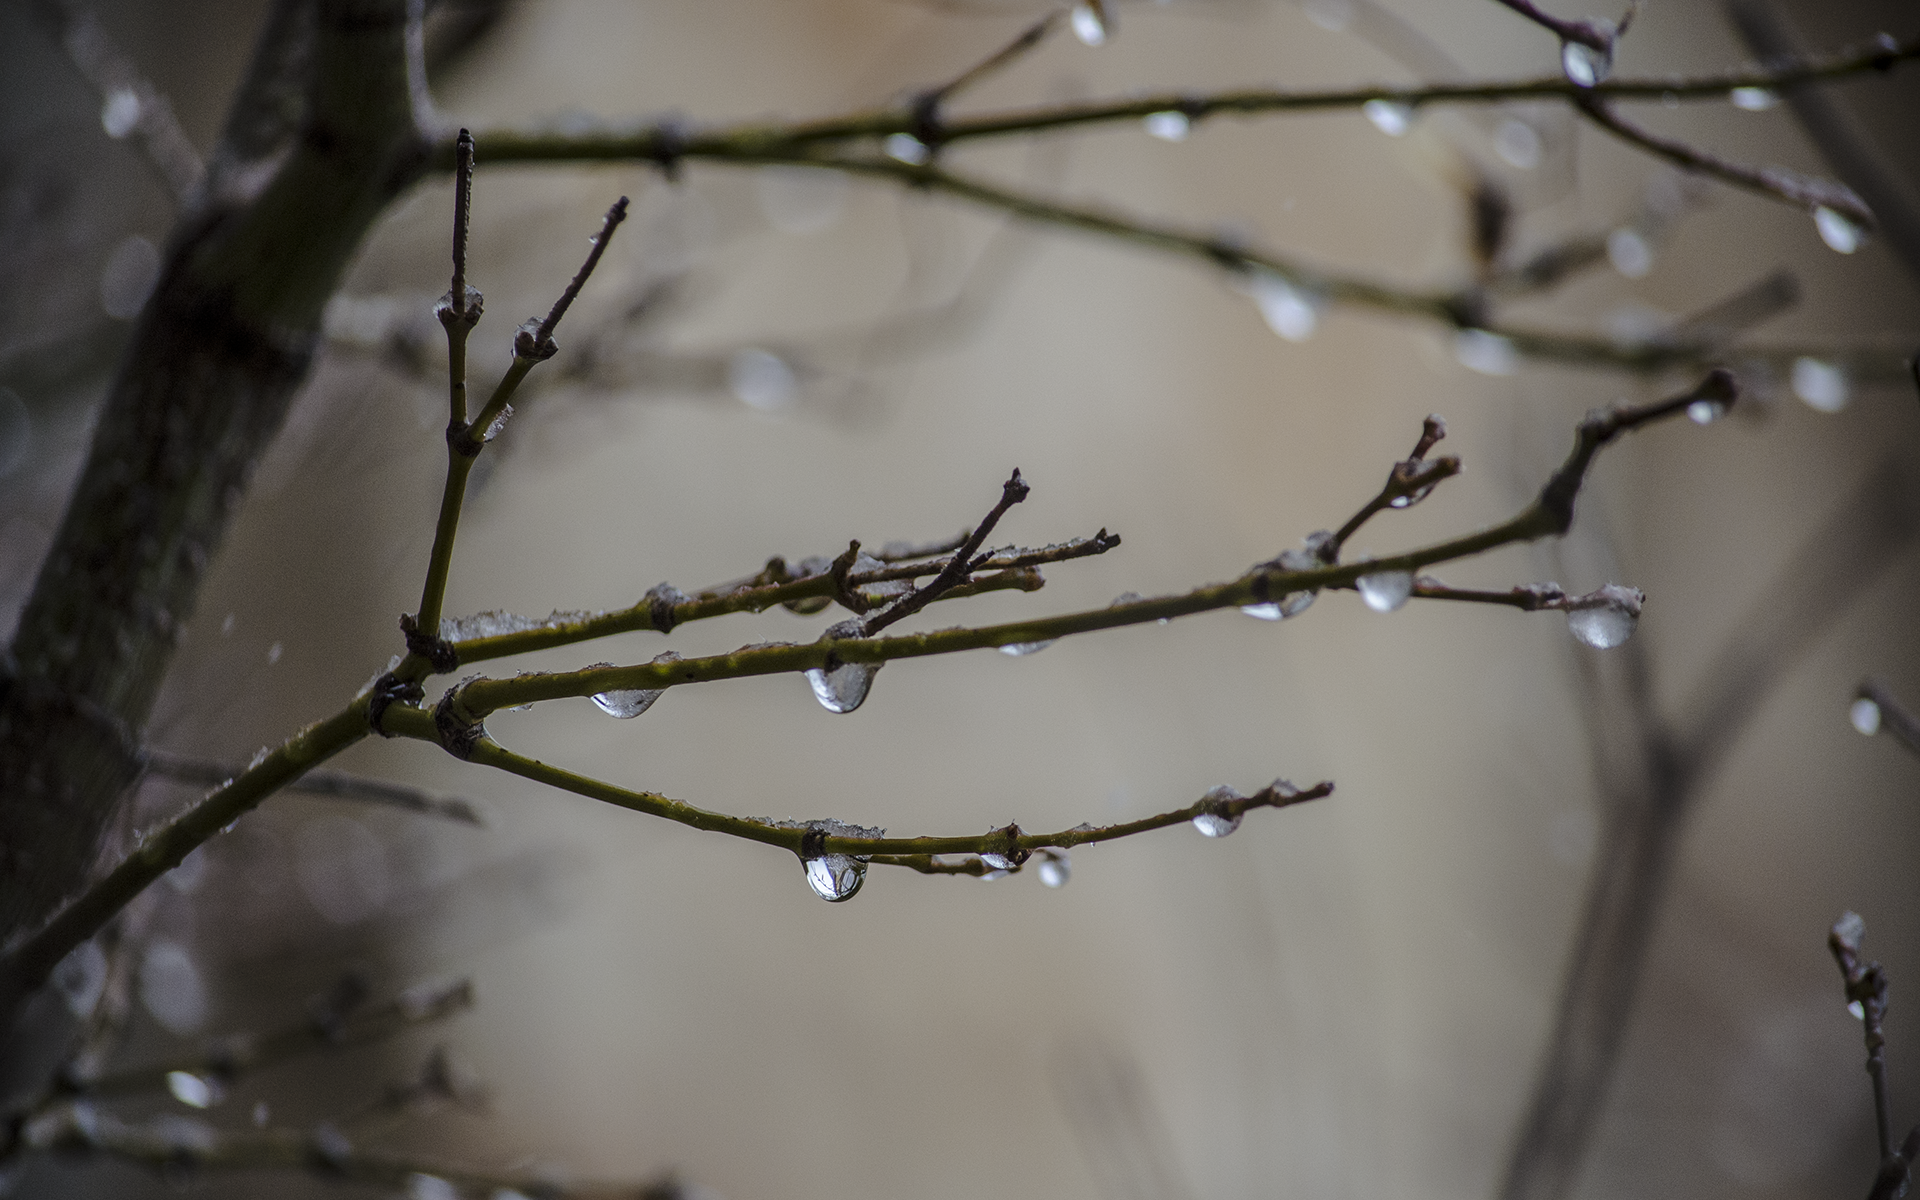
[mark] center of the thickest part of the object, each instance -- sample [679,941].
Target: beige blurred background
[1344,999]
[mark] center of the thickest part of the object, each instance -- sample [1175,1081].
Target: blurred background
[1348,998]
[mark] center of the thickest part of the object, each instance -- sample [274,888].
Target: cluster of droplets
[842,687]
[627,703]
[1607,617]
[1311,556]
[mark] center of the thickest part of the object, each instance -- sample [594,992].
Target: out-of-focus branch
[131,105]
[208,773]
[1889,715]
[1835,133]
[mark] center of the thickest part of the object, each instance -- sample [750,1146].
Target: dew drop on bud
[844,687]
[1388,117]
[1214,819]
[1753,99]
[1585,67]
[1293,603]
[1385,591]
[835,877]
[626,704]
[1607,617]
[1858,1010]
[1840,233]
[1822,385]
[190,1089]
[1054,869]
[1092,22]
[1022,649]
[1169,126]
[1865,715]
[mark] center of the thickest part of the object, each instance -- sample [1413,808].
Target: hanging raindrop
[1389,117]
[191,1089]
[1753,99]
[1385,591]
[1054,869]
[1214,818]
[629,703]
[1169,126]
[1293,603]
[1289,311]
[1092,22]
[1823,385]
[1585,66]
[835,877]
[1629,252]
[1706,410]
[1487,353]
[906,148]
[1841,234]
[1865,715]
[1606,618]
[121,112]
[842,686]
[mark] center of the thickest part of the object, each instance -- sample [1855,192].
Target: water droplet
[1053,868]
[1487,353]
[1607,617]
[421,1186]
[1706,412]
[1213,819]
[190,1089]
[128,277]
[843,688]
[802,200]
[1753,99]
[1840,233]
[171,988]
[1823,385]
[1389,117]
[1330,15]
[1413,497]
[627,704]
[1585,66]
[1289,311]
[1293,603]
[1125,598]
[1092,22]
[1169,126]
[1022,649]
[1858,1010]
[1865,715]
[1385,591]
[835,877]
[1518,144]
[906,148]
[1629,252]
[81,978]
[761,379]
[120,112]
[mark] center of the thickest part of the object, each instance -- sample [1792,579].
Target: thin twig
[209,773]
[1866,990]
[957,569]
[930,100]
[1895,718]
[1407,483]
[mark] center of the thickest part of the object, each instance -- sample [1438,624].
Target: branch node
[388,689]
[431,646]
[459,734]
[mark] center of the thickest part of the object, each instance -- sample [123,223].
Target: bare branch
[1890,715]
[203,772]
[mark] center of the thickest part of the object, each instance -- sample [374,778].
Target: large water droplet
[1865,715]
[1607,618]
[1389,117]
[835,877]
[1629,252]
[1169,126]
[1753,99]
[1092,22]
[1213,819]
[1840,233]
[843,688]
[81,978]
[191,1090]
[1022,649]
[1585,66]
[1487,353]
[630,703]
[128,277]
[1823,385]
[1518,144]
[906,148]
[120,112]
[1053,868]
[1289,311]
[1385,591]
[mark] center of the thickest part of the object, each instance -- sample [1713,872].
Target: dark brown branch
[1407,483]
[208,773]
[957,568]
[929,101]
[1866,991]
[1588,33]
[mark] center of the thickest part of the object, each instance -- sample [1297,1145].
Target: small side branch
[1866,991]
[202,772]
